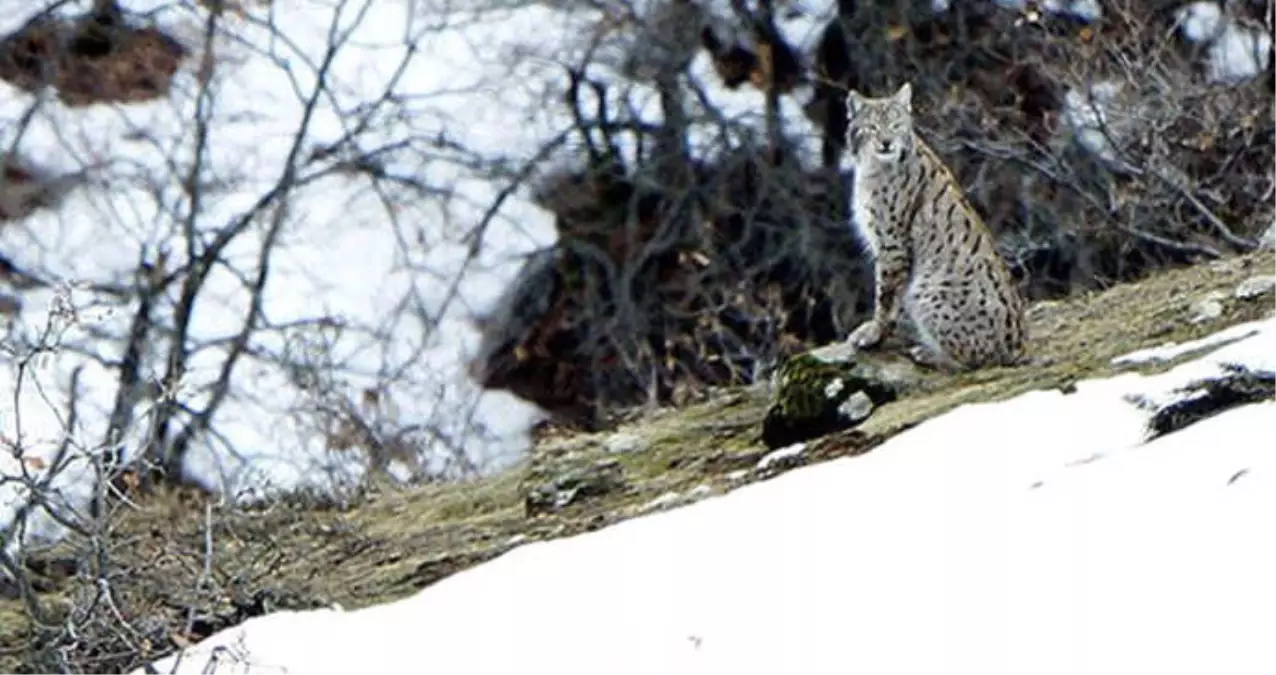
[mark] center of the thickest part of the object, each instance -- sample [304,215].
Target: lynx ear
[854,101]
[905,95]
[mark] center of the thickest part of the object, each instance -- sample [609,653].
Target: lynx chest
[862,222]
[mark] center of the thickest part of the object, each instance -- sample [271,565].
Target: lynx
[934,259]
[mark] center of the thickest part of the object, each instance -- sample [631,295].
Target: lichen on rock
[831,389]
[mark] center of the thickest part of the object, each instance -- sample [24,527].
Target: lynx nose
[886,147]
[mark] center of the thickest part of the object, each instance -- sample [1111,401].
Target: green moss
[806,386]
[832,389]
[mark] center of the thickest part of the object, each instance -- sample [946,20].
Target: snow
[1042,534]
[781,454]
[1086,10]
[1099,120]
[1199,21]
[1172,350]
[1235,53]
[1239,54]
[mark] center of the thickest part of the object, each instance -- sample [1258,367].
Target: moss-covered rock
[831,389]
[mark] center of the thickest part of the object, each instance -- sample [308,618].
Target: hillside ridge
[300,554]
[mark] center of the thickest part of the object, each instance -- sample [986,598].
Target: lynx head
[879,131]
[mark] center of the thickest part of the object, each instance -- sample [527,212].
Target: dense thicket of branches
[1096,149]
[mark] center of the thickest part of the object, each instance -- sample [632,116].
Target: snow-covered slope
[1042,534]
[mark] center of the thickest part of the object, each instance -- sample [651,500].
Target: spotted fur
[935,262]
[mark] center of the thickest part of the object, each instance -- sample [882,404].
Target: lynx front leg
[891,272]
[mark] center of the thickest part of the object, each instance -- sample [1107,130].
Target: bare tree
[174,368]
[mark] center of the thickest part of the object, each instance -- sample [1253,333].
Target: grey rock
[1255,287]
[624,443]
[1207,309]
[557,480]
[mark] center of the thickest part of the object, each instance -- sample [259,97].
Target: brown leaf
[35,463]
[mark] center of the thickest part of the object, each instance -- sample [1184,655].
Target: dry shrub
[95,58]
[639,303]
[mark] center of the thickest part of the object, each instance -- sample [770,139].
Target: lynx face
[879,130]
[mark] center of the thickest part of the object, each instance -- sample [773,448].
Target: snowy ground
[1036,535]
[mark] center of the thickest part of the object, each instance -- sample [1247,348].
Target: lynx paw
[925,357]
[868,334]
